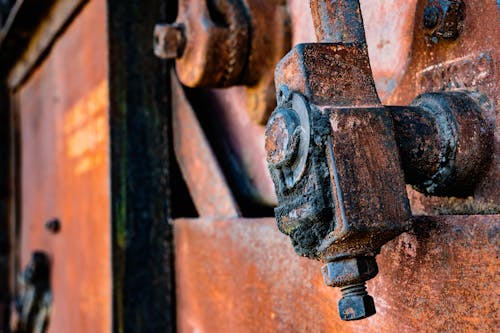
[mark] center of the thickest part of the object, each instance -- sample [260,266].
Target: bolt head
[282,137]
[444,18]
[431,17]
[349,271]
[169,40]
[356,307]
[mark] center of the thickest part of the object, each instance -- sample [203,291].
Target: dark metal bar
[143,278]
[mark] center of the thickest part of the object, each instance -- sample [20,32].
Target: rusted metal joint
[444,142]
[222,43]
[444,19]
[339,158]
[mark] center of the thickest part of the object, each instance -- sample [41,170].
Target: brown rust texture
[63,109]
[236,276]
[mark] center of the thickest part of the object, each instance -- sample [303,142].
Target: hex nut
[349,271]
[356,307]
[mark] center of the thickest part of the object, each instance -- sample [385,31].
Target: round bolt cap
[431,17]
[282,136]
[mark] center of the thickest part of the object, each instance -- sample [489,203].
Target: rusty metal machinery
[339,159]
[220,43]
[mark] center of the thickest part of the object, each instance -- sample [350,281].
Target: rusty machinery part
[34,303]
[222,43]
[348,198]
[443,19]
[445,142]
[209,40]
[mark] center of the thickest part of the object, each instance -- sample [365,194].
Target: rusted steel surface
[63,109]
[243,276]
[343,196]
[199,167]
[270,41]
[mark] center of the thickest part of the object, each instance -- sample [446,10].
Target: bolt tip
[356,305]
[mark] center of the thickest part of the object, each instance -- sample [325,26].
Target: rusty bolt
[355,303]
[282,137]
[169,40]
[431,17]
[444,18]
[350,275]
[349,271]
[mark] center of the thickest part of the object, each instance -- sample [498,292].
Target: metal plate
[243,276]
[63,110]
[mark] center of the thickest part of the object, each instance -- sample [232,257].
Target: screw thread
[356,289]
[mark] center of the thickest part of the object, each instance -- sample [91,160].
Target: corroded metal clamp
[339,159]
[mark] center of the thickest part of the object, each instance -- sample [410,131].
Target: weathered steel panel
[243,276]
[63,111]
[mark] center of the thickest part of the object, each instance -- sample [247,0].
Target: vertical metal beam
[143,278]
